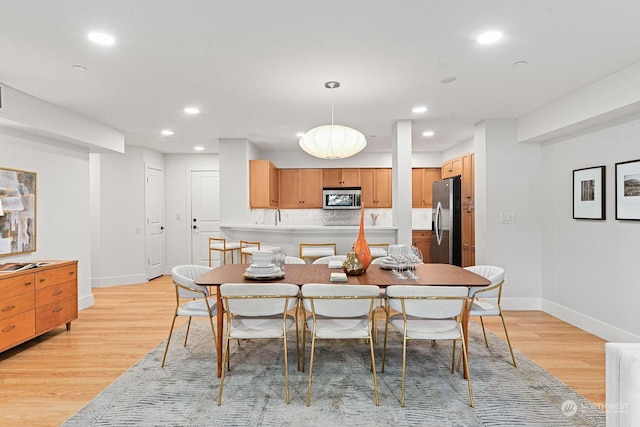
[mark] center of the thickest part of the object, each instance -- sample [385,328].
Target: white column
[401,179]
[234,180]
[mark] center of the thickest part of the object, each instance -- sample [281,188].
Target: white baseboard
[106,282]
[520,304]
[593,326]
[85,302]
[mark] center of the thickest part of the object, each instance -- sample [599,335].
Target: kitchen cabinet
[263,185]
[468,235]
[464,166]
[468,178]
[300,188]
[422,240]
[36,301]
[341,177]
[376,188]
[452,167]
[421,186]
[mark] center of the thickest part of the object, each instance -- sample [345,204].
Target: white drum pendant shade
[333,142]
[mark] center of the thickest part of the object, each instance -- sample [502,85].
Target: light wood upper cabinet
[468,178]
[263,184]
[376,188]
[341,177]
[300,188]
[452,167]
[422,186]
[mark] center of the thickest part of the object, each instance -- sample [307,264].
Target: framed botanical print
[628,190]
[589,193]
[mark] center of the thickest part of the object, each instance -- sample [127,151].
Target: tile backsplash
[421,218]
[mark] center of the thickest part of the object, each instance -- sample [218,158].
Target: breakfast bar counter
[289,237]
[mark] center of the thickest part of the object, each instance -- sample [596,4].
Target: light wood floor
[45,381]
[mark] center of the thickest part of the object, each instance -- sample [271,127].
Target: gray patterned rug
[184,392]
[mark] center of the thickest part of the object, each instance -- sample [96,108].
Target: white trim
[588,323]
[530,304]
[105,282]
[85,302]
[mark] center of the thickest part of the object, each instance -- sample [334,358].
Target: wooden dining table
[300,274]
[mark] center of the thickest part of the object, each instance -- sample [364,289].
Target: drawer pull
[58,292]
[8,308]
[8,328]
[71,273]
[57,309]
[28,283]
[42,279]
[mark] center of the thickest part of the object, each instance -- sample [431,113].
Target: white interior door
[205,215]
[154,207]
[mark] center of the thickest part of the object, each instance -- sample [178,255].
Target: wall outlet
[507,218]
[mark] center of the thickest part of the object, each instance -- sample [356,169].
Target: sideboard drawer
[15,305]
[56,275]
[20,284]
[51,315]
[17,329]
[56,292]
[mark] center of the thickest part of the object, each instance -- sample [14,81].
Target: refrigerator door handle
[438,223]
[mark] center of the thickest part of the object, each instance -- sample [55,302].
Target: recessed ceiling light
[192,110]
[419,109]
[198,148]
[489,37]
[449,79]
[80,68]
[428,133]
[101,38]
[520,64]
[167,133]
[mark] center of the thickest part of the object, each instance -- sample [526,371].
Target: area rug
[184,392]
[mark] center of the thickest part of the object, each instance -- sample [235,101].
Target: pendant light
[332,141]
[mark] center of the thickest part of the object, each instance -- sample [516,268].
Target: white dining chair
[331,259]
[485,301]
[426,313]
[191,300]
[293,260]
[338,312]
[259,311]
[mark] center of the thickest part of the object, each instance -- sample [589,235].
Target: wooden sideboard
[36,301]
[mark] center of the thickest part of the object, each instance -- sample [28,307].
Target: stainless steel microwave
[341,198]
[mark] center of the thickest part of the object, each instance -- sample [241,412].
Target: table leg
[219,335]
[465,336]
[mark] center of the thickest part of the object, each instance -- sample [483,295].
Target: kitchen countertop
[306,228]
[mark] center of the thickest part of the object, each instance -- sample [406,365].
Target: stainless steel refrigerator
[446,222]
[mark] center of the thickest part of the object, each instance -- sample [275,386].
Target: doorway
[154,228]
[205,215]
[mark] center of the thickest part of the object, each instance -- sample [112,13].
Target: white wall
[508,181]
[590,268]
[120,248]
[63,215]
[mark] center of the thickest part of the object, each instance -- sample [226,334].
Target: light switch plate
[507,218]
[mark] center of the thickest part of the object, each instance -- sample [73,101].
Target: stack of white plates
[265,271]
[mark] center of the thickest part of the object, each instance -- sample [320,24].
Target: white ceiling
[257,68]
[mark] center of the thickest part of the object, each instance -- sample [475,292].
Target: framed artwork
[589,193]
[628,190]
[17,211]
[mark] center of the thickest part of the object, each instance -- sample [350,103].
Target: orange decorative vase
[361,248]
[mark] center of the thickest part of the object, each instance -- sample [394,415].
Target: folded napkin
[335,264]
[338,277]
